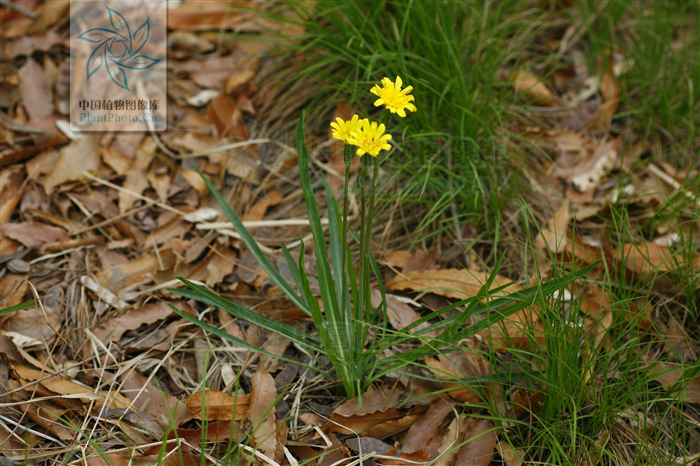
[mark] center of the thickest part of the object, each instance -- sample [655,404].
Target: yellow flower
[343,129]
[370,139]
[395,99]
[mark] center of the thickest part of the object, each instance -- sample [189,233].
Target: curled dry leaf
[447,450]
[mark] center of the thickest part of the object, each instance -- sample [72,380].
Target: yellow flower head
[370,138]
[395,99]
[343,129]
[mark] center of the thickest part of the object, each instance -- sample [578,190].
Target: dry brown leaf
[596,302]
[458,365]
[668,375]
[214,405]
[553,238]
[571,147]
[78,157]
[49,14]
[13,287]
[47,416]
[535,90]
[275,344]
[238,78]
[212,73]
[71,389]
[450,440]
[214,14]
[36,325]
[261,414]
[113,329]
[135,271]
[645,258]
[399,314]
[481,443]
[135,181]
[257,212]
[11,181]
[367,445]
[377,418]
[397,259]
[588,174]
[33,233]
[510,456]
[404,459]
[37,90]
[427,426]
[452,283]
[610,89]
[334,454]
[167,410]
[27,45]
[516,331]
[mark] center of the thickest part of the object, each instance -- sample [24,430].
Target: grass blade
[253,247]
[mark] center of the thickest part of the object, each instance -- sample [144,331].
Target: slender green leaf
[17,307]
[301,338]
[226,336]
[323,270]
[253,247]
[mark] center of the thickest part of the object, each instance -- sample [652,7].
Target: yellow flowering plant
[349,330]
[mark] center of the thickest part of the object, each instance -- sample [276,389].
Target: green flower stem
[361,305]
[349,153]
[368,237]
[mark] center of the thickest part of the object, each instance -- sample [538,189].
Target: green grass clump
[455,56]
